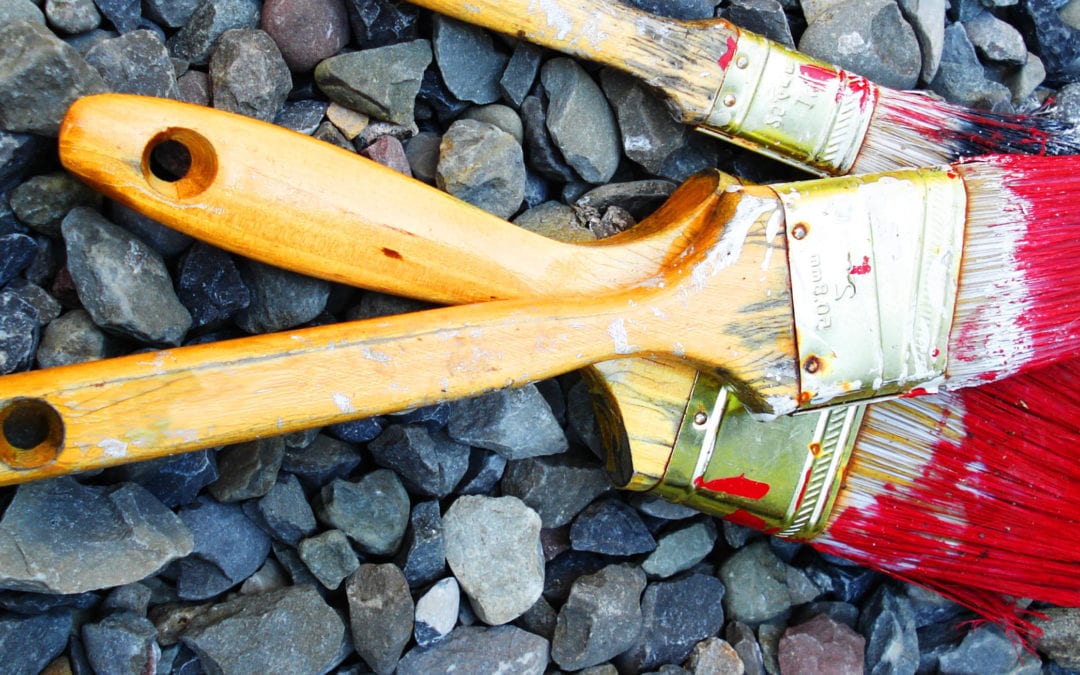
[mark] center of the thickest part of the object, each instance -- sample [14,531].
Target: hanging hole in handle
[179,163]
[31,433]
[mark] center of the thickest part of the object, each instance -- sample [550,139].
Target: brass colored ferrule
[874,263]
[781,477]
[778,102]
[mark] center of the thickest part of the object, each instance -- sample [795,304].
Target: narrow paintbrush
[763,96]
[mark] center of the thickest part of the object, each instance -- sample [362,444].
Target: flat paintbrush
[761,95]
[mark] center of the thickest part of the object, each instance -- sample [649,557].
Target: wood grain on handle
[684,60]
[292,201]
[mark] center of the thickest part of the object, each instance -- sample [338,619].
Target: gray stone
[373,511]
[493,549]
[650,135]
[329,556]
[176,480]
[868,37]
[611,527]
[72,338]
[557,487]
[47,307]
[307,31]
[927,19]
[20,10]
[286,512]
[821,644]
[135,63]
[42,201]
[422,151]
[248,75]
[58,536]
[124,15]
[681,549]
[229,548]
[303,116]
[501,116]
[194,87]
[760,586]
[676,615]
[639,198]
[121,281]
[40,76]
[280,299]
[380,614]
[601,618]
[72,16]
[764,17]
[121,643]
[520,72]
[321,460]
[887,623]
[544,158]
[430,464]
[382,82]
[580,120]
[437,612]
[423,553]
[996,40]
[741,637]
[1060,639]
[270,577]
[960,78]
[713,656]
[134,598]
[483,165]
[19,333]
[516,423]
[986,649]
[171,13]
[555,220]
[540,619]
[388,151]
[1026,79]
[480,649]
[248,470]
[210,286]
[485,471]
[195,40]
[470,65]
[294,629]
[29,643]
[658,507]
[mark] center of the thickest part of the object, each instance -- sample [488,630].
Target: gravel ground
[474,537]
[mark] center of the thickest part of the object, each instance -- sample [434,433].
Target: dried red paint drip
[730,48]
[861,268]
[736,486]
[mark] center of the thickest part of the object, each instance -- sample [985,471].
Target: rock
[764,17]
[485,471]
[483,165]
[324,459]
[611,527]
[887,623]
[373,511]
[58,536]
[389,152]
[294,628]
[45,305]
[423,553]
[657,507]
[986,649]
[676,615]
[500,116]
[996,40]
[516,423]
[580,120]
[1026,79]
[381,615]
[556,487]
[870,38]
[841,612]
[248,74]
[639,198]
[760,586]
[422,152]
[270,577]
[382,82]
[470,65]
[177,480]
[29,643]
[480,649]
[429,464]
[435,102]
[210,286]
[72,16]
[382,22]
[42,201]
[40,76]
[248,470]
[121,643]
[303,116]
[286,512]
[171,13]
[601,618]
[306,31]
[493,549]
[329,556]
[194,87]
[229,548]
[555,220]
[280,299]
[742,639]
[72,338]
[543,155]
[520,73]
[124,15]
[961,78]
[650,135]
[1056,41]
[20,10]
[121,281]
[681,549]
[135,63]
[819,644]
[134,598]
[165,240]
[927,19]
[1060,639]
[195,40]
[676,9]
[17,252]
[18,153]
[844,582]
[715,657]
[436,612]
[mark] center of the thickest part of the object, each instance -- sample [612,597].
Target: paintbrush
[643,403]
[758,94]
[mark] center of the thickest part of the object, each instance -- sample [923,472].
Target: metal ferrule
[874,267]
[780,477]
[786,105]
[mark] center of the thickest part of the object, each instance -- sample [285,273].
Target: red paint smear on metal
[727,56]
[747,519]
[861,268]
[994,514]
[736,486]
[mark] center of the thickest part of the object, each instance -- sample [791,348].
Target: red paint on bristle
[996,514]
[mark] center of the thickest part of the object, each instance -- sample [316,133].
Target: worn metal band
[786,105]
[874,266]
[781,477]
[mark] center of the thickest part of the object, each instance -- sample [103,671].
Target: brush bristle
[972,494]
[911,128]
[1017,303]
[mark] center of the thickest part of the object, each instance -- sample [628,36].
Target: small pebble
[280,299]
[423,552]
[72,16]
[601,619]
[436,612]
[480,649]
[470,64]
[135,63]
[248,470]
[228,548]
[580,120]
[381,615]
[373,511]
[483,165]
[195,41]
[556,487]
[72,338]
[329,556]
[248,74]
[381,82]
[29,643]
[516,423]
[123,642]
[611,527]
[306,31]
[821,643]
[286,511]
[43,200]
